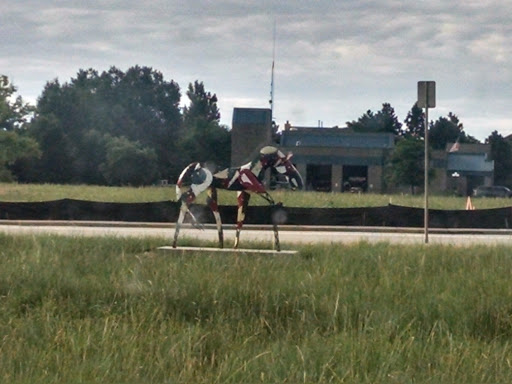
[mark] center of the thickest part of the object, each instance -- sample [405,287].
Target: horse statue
[246,180]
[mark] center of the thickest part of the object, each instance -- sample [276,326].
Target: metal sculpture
[246,180]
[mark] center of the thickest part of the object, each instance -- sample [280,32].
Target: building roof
[252,116]
[468,148]
[334,137]
[477,162]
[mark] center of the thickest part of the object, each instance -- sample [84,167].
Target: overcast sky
[334,59]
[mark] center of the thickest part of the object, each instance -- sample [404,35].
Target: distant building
[251,130]
[460,168]
[340,160]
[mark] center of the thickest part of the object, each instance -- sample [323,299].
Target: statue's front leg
[273,207]
[212,203]
[243,202]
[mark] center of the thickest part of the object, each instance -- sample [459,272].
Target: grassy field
[13,192]
[111,310]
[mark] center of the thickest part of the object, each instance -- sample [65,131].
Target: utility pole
[271,101]
[426,99]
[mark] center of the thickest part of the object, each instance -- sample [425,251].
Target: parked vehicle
[492,191]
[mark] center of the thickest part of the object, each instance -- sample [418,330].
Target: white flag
[455,147]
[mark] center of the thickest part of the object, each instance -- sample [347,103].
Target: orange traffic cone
[469,204]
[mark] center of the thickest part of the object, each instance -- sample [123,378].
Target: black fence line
[167,211]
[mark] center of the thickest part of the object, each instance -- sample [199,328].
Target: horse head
[271,157]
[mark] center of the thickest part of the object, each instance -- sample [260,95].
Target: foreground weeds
[111,310]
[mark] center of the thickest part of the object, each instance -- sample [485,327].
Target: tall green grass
[44,192]
[115,310]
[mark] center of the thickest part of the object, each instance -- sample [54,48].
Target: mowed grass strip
[12,192]
[115,310]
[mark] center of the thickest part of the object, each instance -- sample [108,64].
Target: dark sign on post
[426,94]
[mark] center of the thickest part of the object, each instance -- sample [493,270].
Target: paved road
[291,235]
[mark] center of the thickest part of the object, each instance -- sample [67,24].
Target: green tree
[56,162]
[501,153]
[152,115]
[448,130]
[407,163]
[72,119]
[415,122]
[91,155]
[14,112]
[14,147]
[366,123]
[384,121]
[14,144]
[128,163]
[388,120]
[204,138]
[203,105]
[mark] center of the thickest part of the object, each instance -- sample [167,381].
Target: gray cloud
[334,59]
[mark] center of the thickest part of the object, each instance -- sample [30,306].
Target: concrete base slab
[271,252]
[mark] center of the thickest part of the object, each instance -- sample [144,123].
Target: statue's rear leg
[273,207]
[243,202]
[186,199]
[181,218]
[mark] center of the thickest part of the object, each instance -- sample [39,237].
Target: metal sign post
[426,99]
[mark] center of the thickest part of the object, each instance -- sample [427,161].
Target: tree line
[110,128]
[129,128]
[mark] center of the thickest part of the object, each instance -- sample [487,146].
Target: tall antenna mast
[271,101]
